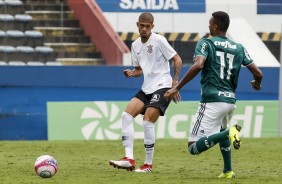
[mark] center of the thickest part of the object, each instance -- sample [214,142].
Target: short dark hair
[222,20]
[147,16]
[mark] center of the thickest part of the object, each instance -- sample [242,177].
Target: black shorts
[155,99]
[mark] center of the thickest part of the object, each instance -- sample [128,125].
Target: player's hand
[255,85]
[174,94]
[127,73]
[176,97]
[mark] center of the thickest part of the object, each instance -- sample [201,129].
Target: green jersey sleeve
[201,48]
[246,59]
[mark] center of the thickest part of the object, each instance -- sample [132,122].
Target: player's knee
[126,117]
[192,149]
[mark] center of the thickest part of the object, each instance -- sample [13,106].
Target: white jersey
[153,57]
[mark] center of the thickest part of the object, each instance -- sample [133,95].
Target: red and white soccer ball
[46,166]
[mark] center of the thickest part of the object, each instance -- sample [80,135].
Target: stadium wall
[192,15]
[101,33]
[26,90]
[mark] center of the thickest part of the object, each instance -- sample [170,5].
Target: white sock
[127,134]
[149,141]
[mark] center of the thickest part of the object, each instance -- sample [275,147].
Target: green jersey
[219,77]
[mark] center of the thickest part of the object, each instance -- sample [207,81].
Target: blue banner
[269,6]
[26,90]
[167,6]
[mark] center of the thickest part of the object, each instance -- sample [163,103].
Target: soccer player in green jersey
[220,60]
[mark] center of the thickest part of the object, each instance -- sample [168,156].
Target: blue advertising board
[269,6]
[25,91]
[167,6]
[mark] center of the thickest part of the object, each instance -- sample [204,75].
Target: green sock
[225,148]
[206,143]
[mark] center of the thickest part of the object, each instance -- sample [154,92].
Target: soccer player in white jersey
[150,56]
[220,60]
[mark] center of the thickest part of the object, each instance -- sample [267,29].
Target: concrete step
[44,1]
[43,15]
[16,25]
[11,9]
[67,39]
[21,41]
[56,23]
[72,47]
[26,56]
[45,7]
[78,54]
[60,31]
[80,61]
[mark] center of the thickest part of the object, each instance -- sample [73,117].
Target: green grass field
[258,161]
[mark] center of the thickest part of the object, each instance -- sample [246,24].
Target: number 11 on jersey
[222,58]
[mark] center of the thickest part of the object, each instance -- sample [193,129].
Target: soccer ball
[46,166]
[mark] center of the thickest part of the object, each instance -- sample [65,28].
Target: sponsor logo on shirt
[226,94]
[150,49]
[225,44]
[203,48]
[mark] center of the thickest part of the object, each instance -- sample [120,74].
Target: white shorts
[209,119]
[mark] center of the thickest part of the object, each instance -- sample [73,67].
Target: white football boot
[124,163]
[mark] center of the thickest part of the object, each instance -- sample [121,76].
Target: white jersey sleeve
[134,60]
[166,48]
